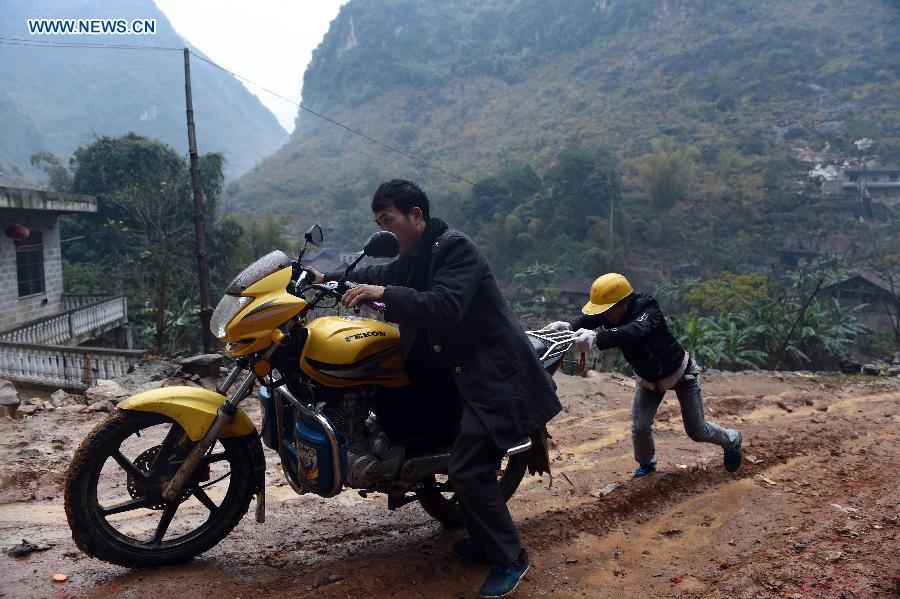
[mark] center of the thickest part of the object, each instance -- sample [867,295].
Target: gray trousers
[646,403]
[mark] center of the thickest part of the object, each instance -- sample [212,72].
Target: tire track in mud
[824,523]
[654,495]
[666,488]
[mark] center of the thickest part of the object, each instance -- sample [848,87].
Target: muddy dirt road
[814,511]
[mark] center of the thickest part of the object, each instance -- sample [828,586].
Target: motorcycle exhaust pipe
[415,469]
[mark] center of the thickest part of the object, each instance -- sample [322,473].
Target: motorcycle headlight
[227,309]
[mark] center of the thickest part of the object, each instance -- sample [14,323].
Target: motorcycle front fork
[224,415]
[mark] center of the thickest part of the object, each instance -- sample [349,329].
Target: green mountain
[56,99]
[473,85]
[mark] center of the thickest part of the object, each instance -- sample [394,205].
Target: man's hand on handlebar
[362,294]
[319,277]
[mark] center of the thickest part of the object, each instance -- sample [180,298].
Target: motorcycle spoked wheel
[440,502]
[135,453]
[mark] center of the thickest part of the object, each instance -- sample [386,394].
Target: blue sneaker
[469,550]
[732,457]
[503,580]
[644,469]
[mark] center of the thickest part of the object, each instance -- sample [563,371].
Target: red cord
[581,361]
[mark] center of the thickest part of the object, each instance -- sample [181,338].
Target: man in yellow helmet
[616,316]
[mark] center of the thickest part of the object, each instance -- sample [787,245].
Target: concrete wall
[13,309]
[876,316]
[53,201]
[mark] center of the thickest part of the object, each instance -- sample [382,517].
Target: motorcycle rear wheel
[137,483]
[439,502]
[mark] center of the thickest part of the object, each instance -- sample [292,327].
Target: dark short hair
[403,194]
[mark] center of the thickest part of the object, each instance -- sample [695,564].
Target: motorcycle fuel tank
[348,352]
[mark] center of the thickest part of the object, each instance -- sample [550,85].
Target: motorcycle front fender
[193,408]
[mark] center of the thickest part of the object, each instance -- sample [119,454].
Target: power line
[13,41]
[17,41]
[339,124]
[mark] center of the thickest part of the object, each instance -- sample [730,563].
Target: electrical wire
[15,41]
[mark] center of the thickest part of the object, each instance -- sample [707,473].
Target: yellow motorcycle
[173,470]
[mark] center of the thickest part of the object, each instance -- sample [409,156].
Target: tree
[511,187]
[667,171]
[500,240]
[140,241]
[58,176]
[582,183]
[159,227]
[700,337]
[534,277]
[727,292]
[227,255]
[263,236]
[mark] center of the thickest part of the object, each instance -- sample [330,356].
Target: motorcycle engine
[370,457]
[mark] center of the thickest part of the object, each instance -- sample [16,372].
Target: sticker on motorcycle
[308,461]
[364,334]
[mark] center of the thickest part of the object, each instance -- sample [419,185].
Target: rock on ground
[106,390]
[204,365]
[101,406]
[8,394]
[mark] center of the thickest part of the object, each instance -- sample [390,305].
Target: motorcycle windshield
[271,262]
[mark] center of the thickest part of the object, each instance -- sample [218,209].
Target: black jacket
[472,335]
[643,336]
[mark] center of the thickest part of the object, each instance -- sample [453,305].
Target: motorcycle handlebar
[337,291]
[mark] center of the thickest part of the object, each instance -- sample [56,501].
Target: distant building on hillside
[799,249]
[874,291]
[574,293]
[332,259]
[880,183]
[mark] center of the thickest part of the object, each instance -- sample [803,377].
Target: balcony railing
[86,316]
[77,300]
[75,368]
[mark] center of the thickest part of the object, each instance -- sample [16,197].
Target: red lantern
[18,233]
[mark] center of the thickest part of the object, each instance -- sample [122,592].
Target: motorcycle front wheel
[441,503]
[113,492]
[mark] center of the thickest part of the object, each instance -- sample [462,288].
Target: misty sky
[269,42]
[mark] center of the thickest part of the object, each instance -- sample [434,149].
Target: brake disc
[138,488]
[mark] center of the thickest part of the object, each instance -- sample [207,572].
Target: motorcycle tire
[97,537]
[448,511]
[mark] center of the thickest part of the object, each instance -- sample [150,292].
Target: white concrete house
[42,327]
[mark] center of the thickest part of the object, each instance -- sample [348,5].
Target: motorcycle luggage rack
[559,342]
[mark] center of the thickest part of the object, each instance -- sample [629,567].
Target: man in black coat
[456,326]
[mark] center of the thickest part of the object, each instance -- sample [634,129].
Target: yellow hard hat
[606,291]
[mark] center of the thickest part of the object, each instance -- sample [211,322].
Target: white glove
[559,325]
[584,340]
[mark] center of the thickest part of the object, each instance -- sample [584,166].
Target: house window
[30,264]
[853,178]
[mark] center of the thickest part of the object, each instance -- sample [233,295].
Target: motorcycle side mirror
[382,244]
[314,235]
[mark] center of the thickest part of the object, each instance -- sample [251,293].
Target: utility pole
[612,230]
[199,215]
[612,207]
